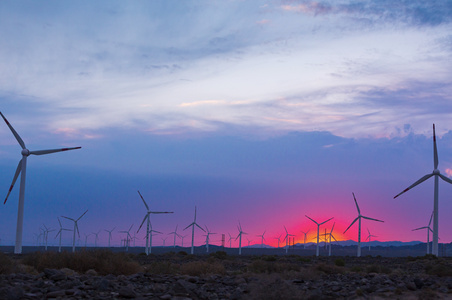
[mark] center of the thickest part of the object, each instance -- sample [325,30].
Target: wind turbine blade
[144,219]
[82,215]
[445,178]
[373,219]
[42,152]
[368,230]
[356,202]
[16,135]
[59,222]
[425,227]
[130,227]
[431,217]
[18,170]
[161,212]
[326,221]
[68,218]
[435,150]
[59,232]
[311,220]
[351,224]
[145,204]
[200,227]
[76,229]
[414,184]
[332,228]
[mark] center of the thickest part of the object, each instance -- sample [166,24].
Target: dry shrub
[328,269]
[161,267]
[103,261]
[440,270]
[261,266]
[7,265]
[197,268]
[272,286]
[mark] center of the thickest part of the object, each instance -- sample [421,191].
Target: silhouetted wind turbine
[262,239]
[22,168]
[278,238]
[331,236]
[75,229]
[175,235]
[239,236]
[207,238]
[147,217]
[230,240]
[109,235]
[96,238]
[437,174]
[428,233]
[193,224]
[304,241]
[358,218]
[128,237]
[46,234]
[60,233]
[286,238]
[369,237]
[318,232]
[151,233]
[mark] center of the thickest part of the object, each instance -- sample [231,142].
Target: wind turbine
[437,174]
[150,234]
[164,240]
[358,218]
[75,229]
[304,241]
[128,237]
[428,233]
[239,236]
[262,240]
[249,241]
[317,252]
[286,238]
[46,234]
[230,240]
[207,238]
[147,217]
[182,238]
[60,233]
[109,235]
[96,238]
[279,239]
[86,238]
[193,224]
[331,236]
[22,168]
[370,236]
[175,235]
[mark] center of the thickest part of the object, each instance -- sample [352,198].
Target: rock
[127,292]
[418,282]
[411,286]
[91,272]
[102,285]
[165,297]
[56,294]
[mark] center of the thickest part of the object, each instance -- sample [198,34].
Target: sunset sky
[254,111]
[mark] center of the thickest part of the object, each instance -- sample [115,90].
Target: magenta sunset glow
[251,111]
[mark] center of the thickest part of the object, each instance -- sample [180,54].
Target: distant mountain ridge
[373,243]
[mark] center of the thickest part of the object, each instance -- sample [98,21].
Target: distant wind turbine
[75,229]
[304,241]
[207,238]
[358,218]
[164,240]
[279,239]
[109,235]
[128,237]
[175,235]
[230,240]
[437,174]
[46,234]
[239,236]
[249,241]
[317,253]
[286,238]
[193,224]
[96,238]
[60,233]
[428,233]
[262,238]
[22,168]
[150,234]
[147,217]
[331,236]
[86,238]
[369,237]
[182,237]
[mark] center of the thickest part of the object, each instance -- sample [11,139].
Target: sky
[258,112]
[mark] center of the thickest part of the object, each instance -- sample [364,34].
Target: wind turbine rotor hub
[25,152]
[436,172]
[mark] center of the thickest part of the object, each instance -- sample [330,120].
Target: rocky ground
[254,277]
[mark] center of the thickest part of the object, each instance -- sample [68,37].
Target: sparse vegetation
[339,262]
[7,265]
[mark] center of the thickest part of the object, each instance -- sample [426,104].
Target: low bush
[197,268]
[329,269]
[261,266]
[219,255]
[339,262]
[7,265]
[163,267]
[102,261]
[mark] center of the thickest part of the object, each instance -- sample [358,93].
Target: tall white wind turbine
[86,238]
[60,233]
[262,238]
[358,218]
[109,235]
[175,235]
[22,169]
[147,217]
[437,174]
[230,240]
[96,238]
[193,224]
[279,239]
[331,236]
[46,234]
[151,234]
[369,237]
[239,236]
[317,252]
[208,238]
[304,241]
[286,238]
[428,233]
[75,228]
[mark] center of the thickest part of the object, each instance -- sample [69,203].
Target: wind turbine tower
[60,233]
[437,174]
[428,233]
[369,237]
[262,238]
[109,235]
[75,229]
[128,237]
[286,238]
[22,169]
[239,236]
[358,218]
[304,241]
[317,253]
[208,238]
[175,235]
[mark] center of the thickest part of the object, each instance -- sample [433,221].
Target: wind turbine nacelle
[436,172]
[25,152]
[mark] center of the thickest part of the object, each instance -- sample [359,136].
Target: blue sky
[258,111]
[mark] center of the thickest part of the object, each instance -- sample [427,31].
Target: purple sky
[258,112]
